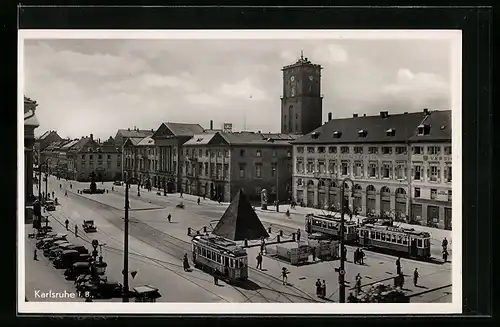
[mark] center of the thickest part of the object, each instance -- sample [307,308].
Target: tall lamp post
[45,163]
[125,297]
[341,270]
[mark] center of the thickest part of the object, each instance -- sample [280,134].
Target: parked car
[50,205]
[77,269]
[80,248]
[85,257]
[117,183]
[56,245]
[66,259]
[103,289]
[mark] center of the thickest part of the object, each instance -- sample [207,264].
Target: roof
[255,138]
[80,144]
[126,133]
[201,139]
[68,145]
[240,222]
[183,129]
[147,141]
[134,140]
[440,127]
[374,127]
[109,149]
[44,135]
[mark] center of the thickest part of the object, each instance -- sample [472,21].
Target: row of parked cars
[79,266]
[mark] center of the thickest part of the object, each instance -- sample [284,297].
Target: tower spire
[302,54]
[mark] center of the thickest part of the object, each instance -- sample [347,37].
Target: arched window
[400,191]
[385,189]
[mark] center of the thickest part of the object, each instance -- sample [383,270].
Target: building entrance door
[447,218]
[432,216]
[416,213]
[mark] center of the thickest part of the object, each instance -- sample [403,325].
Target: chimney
[406,112]
[128,129]
[426,111]
[91,137]
[211,124]
[354,115]
[364,115]
[384,114]
[329,116]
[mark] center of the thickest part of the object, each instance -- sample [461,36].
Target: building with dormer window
[396,161]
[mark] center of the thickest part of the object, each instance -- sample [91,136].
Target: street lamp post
[125,297]
[341,270]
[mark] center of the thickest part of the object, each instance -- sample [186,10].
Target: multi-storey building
[169,139]
[218,164]
[378,153]
[90,160]
[43,142]
[122,137]
[51,154]
[147,162]
[30,124]
[431,162]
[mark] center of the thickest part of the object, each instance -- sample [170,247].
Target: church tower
[301,103]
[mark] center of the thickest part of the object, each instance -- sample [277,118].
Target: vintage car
[89,227]
[66,259]
[85,257]
[55,245]
[80,248]
[146,293]
[82,279]
[50,205]
[104,289]
[117,183]
[77,269]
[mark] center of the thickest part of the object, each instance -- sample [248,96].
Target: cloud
[331,54]
[243,89]
[203,99]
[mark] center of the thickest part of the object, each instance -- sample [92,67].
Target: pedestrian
[66,193]
[220,199]
[313,252]
[444,244]
[185,262]
[358,285]
[323,289]
[262,245]
[259,261]
[70,186]
[35,256]
[112,188]
[284,275]
[398,266]
[60,186]
[169,217]
[415,277]
[362,256]
[318,288]
[66,222]
[298,235]
[356,256]
[216,276]
[181,195]
[76,230]
[445,255]
[198,200]
[53,194]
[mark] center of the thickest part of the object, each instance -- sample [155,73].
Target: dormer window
[315,135]
[337,134]
[362,133]
[390,132]
[423,129]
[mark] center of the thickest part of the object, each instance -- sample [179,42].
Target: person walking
[284,275]
[323,289]
[361,256]
[313,252]
[198,201]
[298,235]
[259,261]
[356,256]
[169,217]
[66,223]
[181,195]
[358,284]
[398,266]
[415,277]
[35,257]
[216,276]
[318,288]
[76,230]
[445,256]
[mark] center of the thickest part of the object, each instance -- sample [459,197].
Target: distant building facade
[30,124]
[218,164]
[397,163]
[44,141]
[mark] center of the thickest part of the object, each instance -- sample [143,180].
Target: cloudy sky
[99,86]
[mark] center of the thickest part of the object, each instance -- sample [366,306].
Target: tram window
[419,243]
[382,236]
[377,235]
[203,252]
[405,240]
[426,243]
[372,234]
[226,261]
[330,225]
[393,238]
[400,239]
[218,258]
[324,224]
[236,263]
[231,263]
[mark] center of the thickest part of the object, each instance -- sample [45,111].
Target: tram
[331,226]
[408,241]
[211,253]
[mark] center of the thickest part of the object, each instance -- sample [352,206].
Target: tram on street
[331,227]
[212,253]
[413,243]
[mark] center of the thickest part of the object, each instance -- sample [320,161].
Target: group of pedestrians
[320,288]
[400,275]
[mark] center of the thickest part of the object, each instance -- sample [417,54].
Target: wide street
[157,246]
